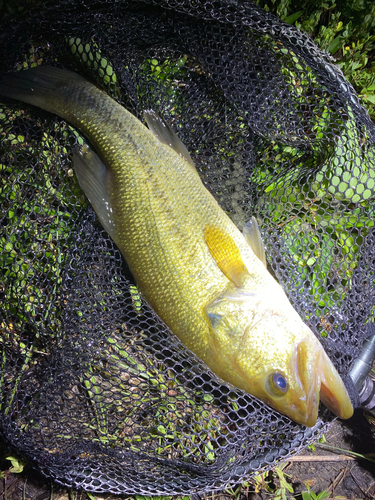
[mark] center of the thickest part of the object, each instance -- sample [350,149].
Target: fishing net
[94,389]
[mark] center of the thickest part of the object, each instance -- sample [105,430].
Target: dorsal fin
[253,237]
[164,132]
[224,250]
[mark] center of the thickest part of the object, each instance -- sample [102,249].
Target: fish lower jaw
[307,415]
[311,419]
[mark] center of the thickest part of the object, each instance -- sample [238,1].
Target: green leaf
[306,495]
[17,465]
[324,494]
[334,45]
[291,19]
[370,98]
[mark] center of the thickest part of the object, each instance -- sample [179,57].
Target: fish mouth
[333,393]
[320,381]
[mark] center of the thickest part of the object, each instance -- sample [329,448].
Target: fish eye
[278,383]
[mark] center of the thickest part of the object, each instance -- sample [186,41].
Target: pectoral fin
[164,132]
[92,177]
[253,237]
[226,254]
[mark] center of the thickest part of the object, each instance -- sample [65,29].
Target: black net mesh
[94,389]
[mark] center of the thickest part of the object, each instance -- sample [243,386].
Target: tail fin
[43,86]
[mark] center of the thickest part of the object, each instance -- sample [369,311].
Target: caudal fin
[44,86]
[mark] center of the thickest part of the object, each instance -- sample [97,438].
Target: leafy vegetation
[343,28]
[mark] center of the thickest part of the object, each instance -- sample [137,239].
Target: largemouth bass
[190,262]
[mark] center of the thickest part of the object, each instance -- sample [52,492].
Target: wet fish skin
[190,262]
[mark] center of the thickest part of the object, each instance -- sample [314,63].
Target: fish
[206,280]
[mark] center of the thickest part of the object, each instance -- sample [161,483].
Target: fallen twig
[321,458]
[338,479]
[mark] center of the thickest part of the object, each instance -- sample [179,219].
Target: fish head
[270,353]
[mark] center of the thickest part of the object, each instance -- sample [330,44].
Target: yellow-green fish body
[190,262]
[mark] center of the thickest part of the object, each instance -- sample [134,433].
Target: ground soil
[338,473]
